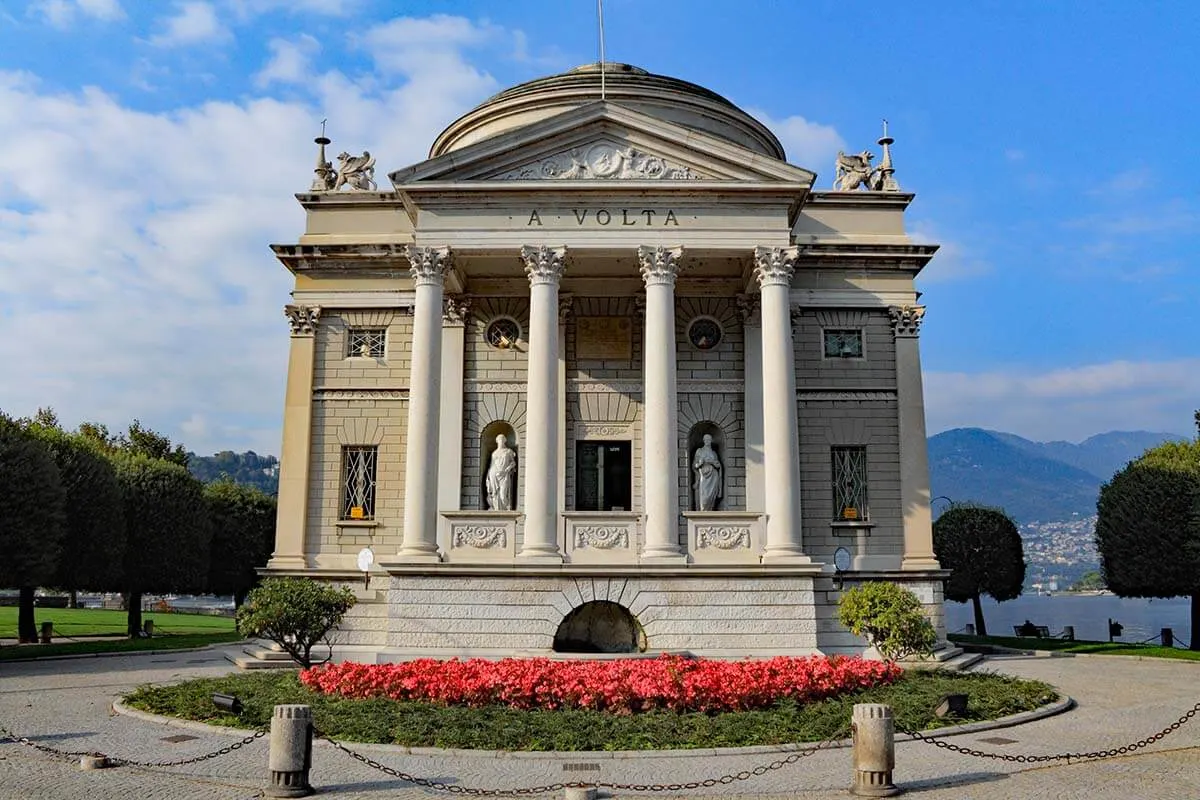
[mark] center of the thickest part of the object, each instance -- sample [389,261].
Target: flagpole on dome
[600,17]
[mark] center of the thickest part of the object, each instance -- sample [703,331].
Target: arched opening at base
[600,626]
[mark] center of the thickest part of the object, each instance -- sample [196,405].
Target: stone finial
[659,265]
[302,319]
[906,320]
[774,266]
[455,310]
[428,265]
[543,264]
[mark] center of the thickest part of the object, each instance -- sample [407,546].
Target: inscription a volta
[625,217]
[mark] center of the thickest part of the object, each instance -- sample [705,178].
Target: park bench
[1037,631]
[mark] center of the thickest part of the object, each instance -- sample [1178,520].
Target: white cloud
[61,13]
[1071,403]
[811,145]
[289,61]
[953,261]
[329,8]
[1127,182]
[137,277]
[195,22]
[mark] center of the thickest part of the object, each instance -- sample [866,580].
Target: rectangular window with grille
[365,342]
[843,343]
[358,482]
[850,484]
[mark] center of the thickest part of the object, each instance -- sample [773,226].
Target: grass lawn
[913,699]
[86,647]
[1067,646]
[79,622]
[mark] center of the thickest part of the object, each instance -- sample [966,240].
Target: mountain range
[1032,481]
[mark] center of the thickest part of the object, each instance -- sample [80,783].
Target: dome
[659,96]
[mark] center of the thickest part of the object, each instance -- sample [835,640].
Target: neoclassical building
[604,372]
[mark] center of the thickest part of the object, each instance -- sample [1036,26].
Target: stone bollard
[874,750]
[291,751]
[581,793]
[92,761]
[47,632]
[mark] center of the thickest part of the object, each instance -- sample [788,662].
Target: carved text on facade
[479,536]
[602,537]
[723,537]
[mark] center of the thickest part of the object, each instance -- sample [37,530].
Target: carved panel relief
[602,160]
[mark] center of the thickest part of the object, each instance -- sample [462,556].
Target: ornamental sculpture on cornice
[659,265]
[543,264]
[356,173]
[302,319]
[602,160]
[906,320]
[854,171]
[456,310]
[428,265]
[774,266]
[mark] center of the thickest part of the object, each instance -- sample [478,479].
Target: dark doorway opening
[603,476]
[600,626]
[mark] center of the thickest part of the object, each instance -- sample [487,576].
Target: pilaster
[455,316]
[291,518]
[750,313]
[914,448]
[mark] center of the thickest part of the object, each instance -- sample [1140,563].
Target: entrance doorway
[603,476]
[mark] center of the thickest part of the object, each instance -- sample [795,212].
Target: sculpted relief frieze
[602,161]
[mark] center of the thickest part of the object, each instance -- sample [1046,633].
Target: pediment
[598,142]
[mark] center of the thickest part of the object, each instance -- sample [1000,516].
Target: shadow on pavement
[967,779]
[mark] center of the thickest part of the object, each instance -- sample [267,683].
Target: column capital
[749,308]
[456,309]
[428,264]
[659,265]
[543,264]
[774,266]
[302,319]
[906,320]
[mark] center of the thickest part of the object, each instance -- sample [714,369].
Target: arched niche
[487,446]
[600,626]
[694,441]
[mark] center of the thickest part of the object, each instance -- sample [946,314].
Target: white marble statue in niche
[707,485]
[501,476]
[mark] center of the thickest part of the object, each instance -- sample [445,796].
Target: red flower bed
[621,686]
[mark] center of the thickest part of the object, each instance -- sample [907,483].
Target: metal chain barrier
[7,734]
[472,791]
[1068,757]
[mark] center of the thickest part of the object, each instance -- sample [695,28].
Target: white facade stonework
[608,285]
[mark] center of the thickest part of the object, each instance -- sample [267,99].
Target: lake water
[1142,617]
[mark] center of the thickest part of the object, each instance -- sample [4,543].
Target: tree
[93,544]
[31,519]
[243,526]
[295,613]
[1148,527]
[146,442]
[167,530]
[1089,581]
[982,548]
[890,617]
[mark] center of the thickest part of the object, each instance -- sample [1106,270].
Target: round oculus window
[704,333]
[502,333]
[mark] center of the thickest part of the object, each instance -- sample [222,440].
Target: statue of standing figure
[501,475]
[707,467]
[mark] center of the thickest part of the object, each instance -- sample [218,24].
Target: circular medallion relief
[704,333]
[502,333]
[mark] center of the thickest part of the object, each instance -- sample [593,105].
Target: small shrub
[295,613]
[890,617]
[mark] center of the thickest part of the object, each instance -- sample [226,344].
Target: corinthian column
[914,450]
[428,266]
[660,405]
[774,266]
[291,517]
[544,265]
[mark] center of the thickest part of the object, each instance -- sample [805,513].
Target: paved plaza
[67,704]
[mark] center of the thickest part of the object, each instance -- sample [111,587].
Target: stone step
[252,663]
[963,662]
[266,654]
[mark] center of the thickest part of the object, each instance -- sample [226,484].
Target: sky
[150,151]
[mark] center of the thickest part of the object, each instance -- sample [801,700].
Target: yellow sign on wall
[356,512]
